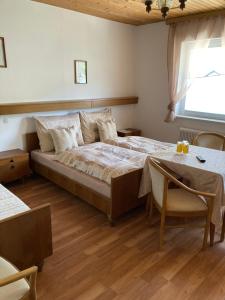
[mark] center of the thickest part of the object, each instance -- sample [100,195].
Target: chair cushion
[180,200]
[13,291]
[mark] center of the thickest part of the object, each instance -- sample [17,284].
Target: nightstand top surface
[12,153]
[128,132]
[128,129]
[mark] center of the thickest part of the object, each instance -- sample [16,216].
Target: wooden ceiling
[133,11]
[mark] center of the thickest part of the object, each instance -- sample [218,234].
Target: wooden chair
[214,141]
[15,284]
[210,140]
[181,202]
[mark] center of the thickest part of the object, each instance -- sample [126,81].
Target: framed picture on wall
[80,67]
[3,63]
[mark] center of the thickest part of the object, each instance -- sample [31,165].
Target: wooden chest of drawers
[14,164]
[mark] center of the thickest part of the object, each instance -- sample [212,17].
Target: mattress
[47,159]
[10,204]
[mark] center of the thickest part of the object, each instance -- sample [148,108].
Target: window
[205,96]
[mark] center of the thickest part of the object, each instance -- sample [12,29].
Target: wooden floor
[95,261]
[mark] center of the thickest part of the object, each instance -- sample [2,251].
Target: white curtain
[193,34]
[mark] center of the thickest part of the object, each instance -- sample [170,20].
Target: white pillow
[89,124]
[107,129]
[45,123]
[64,139]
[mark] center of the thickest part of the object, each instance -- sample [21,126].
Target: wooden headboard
[30,107]
[32,141]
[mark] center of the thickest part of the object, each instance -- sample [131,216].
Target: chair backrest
[15,284]
[158,182]
[210,140]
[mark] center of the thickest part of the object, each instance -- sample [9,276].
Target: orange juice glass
[185,147]
[179,147]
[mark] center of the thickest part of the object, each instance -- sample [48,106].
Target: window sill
[200,119]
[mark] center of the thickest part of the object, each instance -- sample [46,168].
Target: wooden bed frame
[26,238]
[124,189]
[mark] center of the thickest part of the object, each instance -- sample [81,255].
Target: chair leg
[223,229]
[212,234]
[162,229]
[206,233]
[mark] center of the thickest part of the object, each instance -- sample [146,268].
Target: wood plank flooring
[93,261]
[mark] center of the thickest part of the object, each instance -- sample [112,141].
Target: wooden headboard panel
[30,107]
[32,141]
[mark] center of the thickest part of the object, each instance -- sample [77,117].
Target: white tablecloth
[206,177]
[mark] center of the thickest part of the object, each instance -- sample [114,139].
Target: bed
[25,234]
[114,199]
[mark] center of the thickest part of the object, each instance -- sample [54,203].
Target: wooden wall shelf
[42,106]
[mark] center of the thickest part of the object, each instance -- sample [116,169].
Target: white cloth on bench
[10,204]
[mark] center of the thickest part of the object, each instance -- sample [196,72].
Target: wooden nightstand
[14,164]
[128,131]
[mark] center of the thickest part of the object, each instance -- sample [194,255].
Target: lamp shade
[165,3]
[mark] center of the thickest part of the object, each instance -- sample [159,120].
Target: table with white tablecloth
[206,177]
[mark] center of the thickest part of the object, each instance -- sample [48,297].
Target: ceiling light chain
[182,4]
[148,4]
[164,5]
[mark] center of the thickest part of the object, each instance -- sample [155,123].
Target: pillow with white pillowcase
[64,139]
[45,123]
[107,129]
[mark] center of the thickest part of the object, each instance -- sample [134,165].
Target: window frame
[182,112]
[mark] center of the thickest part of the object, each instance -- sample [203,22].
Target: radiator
[187,134]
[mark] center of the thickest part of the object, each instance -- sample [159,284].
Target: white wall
[41,44]
[152,87]
[43,41]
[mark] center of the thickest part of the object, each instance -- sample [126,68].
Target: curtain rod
[194,16]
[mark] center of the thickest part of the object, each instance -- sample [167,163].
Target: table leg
[148,204]
[223,229]
[212,234]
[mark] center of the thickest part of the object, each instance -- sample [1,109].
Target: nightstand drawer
[13,160]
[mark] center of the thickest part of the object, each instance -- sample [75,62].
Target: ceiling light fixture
[163,5]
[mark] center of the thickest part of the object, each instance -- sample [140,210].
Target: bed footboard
[124,193]
[26,238]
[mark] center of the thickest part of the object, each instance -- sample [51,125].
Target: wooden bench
[25,234]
